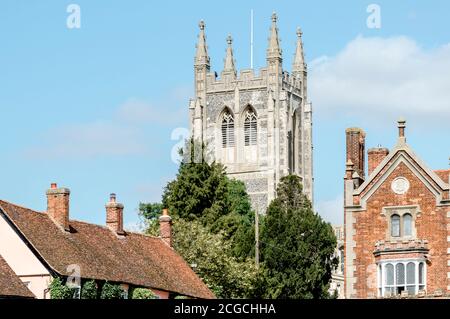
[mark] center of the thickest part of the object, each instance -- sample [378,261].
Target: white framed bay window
[396,276]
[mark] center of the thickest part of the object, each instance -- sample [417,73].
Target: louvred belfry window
[250,128]
[227,130]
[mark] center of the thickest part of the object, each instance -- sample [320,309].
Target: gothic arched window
[250,128]
[227,129]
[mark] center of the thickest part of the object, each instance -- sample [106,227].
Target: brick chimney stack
[356,143]
[114,215]
[165,227]
[401,123]
[58,205]
[375,156]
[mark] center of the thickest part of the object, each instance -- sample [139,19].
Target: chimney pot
[114,215]
[53,186]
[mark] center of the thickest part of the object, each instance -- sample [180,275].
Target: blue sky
[93,108]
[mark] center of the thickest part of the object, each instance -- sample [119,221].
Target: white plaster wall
[22,261]
[38,284]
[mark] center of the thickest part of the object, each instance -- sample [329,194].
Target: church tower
[258,125]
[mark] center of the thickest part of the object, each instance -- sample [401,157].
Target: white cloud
[87,140]
[332,210]
[381,77]
[171,109]
[135,111]
[125,132]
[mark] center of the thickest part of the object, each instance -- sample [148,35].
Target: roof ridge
[405,148]
[21,206]
[106,227]
[75,220]
[152,262]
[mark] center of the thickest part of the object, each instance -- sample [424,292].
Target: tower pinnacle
[201,57]
[274,50]
[229,60]
[299,59]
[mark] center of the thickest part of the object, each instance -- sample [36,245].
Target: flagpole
[251,38]
[257,239]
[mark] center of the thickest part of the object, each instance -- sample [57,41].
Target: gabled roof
[402,152]
[135,259]
[443,174]
[10,285]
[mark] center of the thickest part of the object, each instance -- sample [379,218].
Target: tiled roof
[135,259]
[10,285]
[443,174]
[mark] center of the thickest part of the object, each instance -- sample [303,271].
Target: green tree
[297,246]
[111,291]
[89,290]
[199,190]
[202,192]
[58,290]
[210,255]
[213,223]
[238,223]
[143,293]
[151,212]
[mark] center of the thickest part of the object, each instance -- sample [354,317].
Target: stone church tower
[258,125]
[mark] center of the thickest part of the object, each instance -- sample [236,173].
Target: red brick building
[397,222]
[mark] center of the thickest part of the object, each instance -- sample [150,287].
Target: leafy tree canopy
[143,293]
[58,290]
[214,232]
[202,192]
[89,290]
[111,291]
[210,255]
[297,246]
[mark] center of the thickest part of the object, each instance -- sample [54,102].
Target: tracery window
[250,128]
[227,130]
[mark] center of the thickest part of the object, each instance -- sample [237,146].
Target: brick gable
[400,184]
